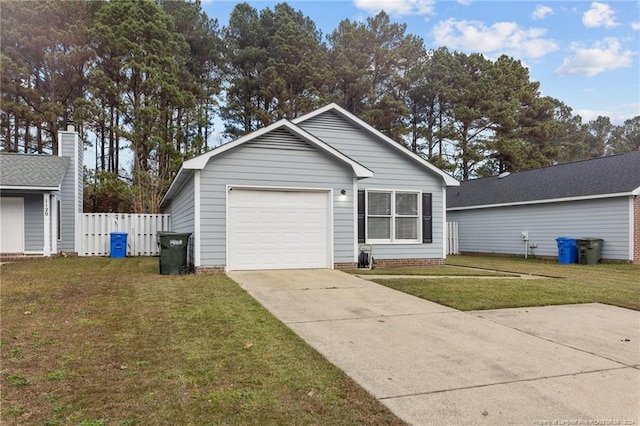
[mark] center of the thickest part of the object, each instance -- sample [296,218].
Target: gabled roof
[449,180]
[615,175]
[31,171]
[199,162]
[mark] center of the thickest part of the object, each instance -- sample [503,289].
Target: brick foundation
[400,263]
[394,263]
[345,266]
[636,230]
[200,270]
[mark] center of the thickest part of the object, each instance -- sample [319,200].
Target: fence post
[452,237]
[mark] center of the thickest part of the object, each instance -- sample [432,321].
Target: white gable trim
[448,180]
[197,220]
[198,163]
[631,228]
[548,201]
[30,188]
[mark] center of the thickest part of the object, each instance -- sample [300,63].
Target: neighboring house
[305,193]
[41,200]
[596,198]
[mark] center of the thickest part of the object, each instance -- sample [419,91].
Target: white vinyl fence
[141,230]
[452,238]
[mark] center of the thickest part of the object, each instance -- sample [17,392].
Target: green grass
[614,284]
[430,271]
[97,341]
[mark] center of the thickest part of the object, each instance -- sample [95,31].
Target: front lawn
[99,341]
[614,284]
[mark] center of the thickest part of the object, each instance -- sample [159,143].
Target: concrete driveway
[431,364]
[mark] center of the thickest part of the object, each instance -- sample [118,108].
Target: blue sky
[583,53]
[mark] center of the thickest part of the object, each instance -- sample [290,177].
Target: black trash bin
[589,251]
[173,252]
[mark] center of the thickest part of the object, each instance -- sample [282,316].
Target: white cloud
[600,15]
[501,37]
[617,115]
[603,56]
[397,7]
[635,26]
[541,12]
[465,2]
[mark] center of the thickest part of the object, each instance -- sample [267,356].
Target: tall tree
[370,62]
[148,58]
[470,126]
[43,61]
[515,111]
[297,69]
[626,138]
[426,96]
[277,67]
[193,126]
[245,61]
[600,133]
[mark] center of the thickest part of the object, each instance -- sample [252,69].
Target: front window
[393,216]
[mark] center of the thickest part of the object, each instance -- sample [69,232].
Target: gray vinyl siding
[278,159]
[33,223]
[71,202]
[392,170]
[497,230]
[182,213]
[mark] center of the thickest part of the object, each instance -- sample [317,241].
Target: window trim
[394,216]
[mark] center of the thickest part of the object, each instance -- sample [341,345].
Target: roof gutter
[549,201]
[30,188]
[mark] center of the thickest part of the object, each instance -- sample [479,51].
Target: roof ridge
[557,165]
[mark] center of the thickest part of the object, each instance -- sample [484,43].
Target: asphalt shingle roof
[31,170]
[606,175]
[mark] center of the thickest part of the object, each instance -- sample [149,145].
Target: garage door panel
[278,230]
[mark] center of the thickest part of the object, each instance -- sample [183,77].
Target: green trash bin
[589,251]
[173,253]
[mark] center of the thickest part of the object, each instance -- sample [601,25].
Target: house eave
[181,177]
[547,201]
[29,188]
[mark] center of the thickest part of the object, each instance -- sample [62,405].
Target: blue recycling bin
[118,244]
[567,250]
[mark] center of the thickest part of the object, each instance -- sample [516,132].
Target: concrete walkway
[431,364]
[453,277]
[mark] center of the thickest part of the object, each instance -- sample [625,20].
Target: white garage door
[11,225]
[278,230]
